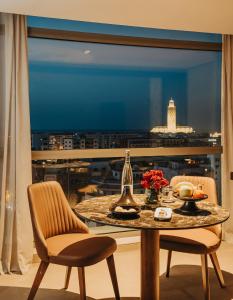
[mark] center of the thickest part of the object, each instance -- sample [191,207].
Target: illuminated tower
[171,122]
[171,116]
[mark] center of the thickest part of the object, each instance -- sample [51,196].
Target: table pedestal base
[150,264]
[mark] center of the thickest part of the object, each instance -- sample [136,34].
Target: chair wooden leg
[67,279]
[205,276]
[218,271]
[112,271]
[39,276]
[82,285]
[169,257]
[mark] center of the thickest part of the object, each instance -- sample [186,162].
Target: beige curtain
[227,132]
[16,243]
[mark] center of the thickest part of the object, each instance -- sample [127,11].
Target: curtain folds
[16,242]
[227,132]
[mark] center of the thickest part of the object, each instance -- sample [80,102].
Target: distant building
[68,143]
[82,143]
[54,142]
[171,122]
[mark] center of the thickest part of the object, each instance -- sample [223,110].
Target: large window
[111,96]
[93,96]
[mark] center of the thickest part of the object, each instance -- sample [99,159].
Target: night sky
[64,98]
[69,95]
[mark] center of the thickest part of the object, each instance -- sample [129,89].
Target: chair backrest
[208,187]
[51,214]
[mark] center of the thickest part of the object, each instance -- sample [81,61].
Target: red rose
[164,182]
[157,186]
[145,184]
[154,179]
[158,173]
[147,176]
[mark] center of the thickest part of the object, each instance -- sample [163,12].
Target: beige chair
[203,241]
[61,238]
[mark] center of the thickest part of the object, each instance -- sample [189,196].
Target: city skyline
[159,136]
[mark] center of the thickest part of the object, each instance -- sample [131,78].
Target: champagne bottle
[127,174]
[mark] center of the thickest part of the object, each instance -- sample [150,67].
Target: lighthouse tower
[171,116]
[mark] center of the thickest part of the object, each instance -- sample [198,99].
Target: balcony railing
[101,153]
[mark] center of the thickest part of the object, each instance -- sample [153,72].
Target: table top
[97,209]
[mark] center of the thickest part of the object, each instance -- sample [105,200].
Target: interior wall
[194,15]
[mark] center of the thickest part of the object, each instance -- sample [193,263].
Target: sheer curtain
[16,242]
[227,132]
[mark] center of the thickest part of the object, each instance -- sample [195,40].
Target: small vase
[152,196]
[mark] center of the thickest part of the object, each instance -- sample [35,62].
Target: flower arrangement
[154,180]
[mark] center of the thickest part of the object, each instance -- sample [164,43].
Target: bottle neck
[127,157]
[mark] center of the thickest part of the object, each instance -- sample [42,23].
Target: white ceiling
[52,51]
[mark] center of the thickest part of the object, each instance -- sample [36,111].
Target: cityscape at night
[91,177]
[170,135]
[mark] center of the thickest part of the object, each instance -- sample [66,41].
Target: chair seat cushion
[199,241]
[79,249]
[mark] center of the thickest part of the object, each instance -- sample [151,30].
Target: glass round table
[97,209]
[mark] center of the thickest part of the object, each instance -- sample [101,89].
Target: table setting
[161,207]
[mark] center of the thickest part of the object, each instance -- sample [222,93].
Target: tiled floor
[185,281]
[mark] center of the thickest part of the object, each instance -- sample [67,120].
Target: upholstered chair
[62,238]
[202,241]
